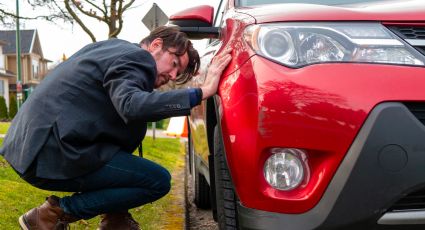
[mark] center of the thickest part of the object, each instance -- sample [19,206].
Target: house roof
[27,40]
[7,74]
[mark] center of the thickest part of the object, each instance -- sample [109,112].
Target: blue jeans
[125,182]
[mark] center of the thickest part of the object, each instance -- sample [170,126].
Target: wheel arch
[212,116]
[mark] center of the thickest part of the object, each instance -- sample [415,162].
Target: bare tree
[109,12]
[8,16]
[5,16]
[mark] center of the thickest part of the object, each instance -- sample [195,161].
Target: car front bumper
[385,162]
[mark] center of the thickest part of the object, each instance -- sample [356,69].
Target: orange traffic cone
[177,127]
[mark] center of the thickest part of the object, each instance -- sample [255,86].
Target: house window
[35,69]
[2,68]
[2,88]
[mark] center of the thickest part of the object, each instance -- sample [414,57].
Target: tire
[202,191]
[225,194]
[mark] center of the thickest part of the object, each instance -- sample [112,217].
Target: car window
[320,2]
[218,18]
[219,14]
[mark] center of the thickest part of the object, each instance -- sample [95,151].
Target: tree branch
[121,11]
[83,11]
[65,15]
[12,15]
[120,21]
[126,6]
[112,19]
[95,6]
[78,20]
[109,11]
[106,8]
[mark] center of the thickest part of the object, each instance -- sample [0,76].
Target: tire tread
[226,197]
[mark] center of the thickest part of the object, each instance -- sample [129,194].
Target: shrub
[13,107]
[3,108]
[162,124]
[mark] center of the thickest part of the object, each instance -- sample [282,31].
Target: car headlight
[286,168]
[300,44]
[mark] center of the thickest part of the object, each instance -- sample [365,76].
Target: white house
[5,76]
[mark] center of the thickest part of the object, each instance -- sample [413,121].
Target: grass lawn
[17,197]
[3,127]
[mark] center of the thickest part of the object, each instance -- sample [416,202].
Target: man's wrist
[195,96]
[204,92]
[200,94]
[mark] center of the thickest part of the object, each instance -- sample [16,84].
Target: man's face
[168,65]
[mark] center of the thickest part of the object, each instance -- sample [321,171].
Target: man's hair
[172,37]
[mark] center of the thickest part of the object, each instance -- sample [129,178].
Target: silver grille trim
[403,217]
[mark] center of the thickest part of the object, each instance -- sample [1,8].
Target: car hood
[400,11]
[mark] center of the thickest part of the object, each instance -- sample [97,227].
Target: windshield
[319,2]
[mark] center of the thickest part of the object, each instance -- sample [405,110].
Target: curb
[186,199]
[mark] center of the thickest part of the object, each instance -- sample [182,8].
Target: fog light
[286,168]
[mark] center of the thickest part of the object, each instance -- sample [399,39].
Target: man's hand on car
[215,69]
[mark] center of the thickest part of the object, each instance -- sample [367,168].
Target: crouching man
[78,129]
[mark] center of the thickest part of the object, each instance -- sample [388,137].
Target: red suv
[319,118]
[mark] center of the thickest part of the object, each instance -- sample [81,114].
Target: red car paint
[199,13]
[319,108]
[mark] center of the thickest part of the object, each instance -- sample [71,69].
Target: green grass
[4,126]
[17,197]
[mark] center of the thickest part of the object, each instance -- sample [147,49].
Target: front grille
[411,33]
[413,201]
[418,109]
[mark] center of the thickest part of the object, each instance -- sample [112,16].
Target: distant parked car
[319,118]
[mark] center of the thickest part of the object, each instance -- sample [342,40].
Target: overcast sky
[67,39]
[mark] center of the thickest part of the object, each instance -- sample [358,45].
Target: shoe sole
[23,223]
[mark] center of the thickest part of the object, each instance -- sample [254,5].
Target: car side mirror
[196,22]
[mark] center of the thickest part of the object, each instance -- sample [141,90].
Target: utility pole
[18,59]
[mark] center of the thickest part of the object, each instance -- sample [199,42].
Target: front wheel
[225,194]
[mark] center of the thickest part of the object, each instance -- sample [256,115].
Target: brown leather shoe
[121,220]
[48,216]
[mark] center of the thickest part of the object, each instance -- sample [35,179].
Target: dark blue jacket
[88,108]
